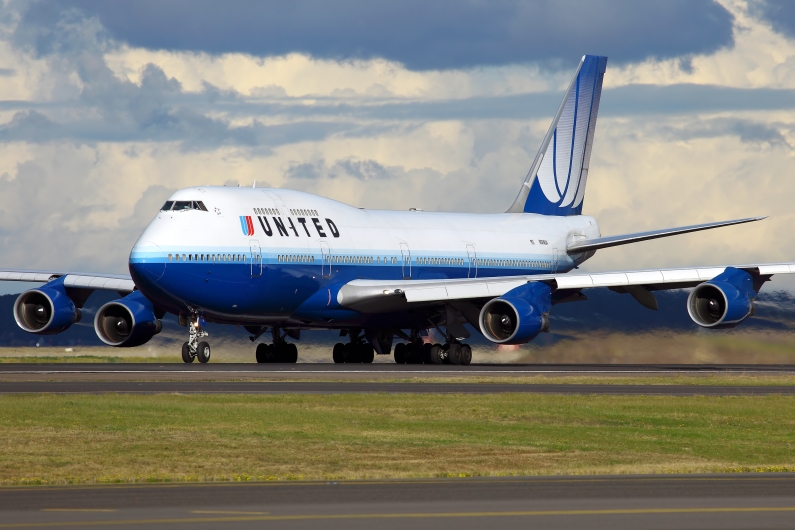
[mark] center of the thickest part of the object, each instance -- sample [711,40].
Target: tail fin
[555,184]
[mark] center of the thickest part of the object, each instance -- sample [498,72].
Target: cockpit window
[184,205]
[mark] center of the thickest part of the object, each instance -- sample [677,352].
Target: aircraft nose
[147,262]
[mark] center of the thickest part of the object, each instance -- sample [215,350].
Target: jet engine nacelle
[47,310]
[723,302]
[127,322]
[518,316]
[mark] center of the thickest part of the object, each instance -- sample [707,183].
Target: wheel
[436,354]
[425,353]
[291,353]
[353,353]
[270,354]
[443,353]
[338,354]
[454,354]
[466,354]
[368,354]
[186,356]
[203,352]
[262,353]
[400,353]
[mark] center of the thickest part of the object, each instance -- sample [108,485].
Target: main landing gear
[418,352]
[193,349]
[278,352]
[358,350]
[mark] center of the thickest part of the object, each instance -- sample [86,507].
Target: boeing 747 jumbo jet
[283,261]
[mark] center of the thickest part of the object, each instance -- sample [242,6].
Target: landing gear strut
[193,349]
[278,352]
[358,350]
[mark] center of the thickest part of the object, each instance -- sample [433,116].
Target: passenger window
[169,257]
[166,207]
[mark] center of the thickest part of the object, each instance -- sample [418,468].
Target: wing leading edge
[121,283]
[375,296]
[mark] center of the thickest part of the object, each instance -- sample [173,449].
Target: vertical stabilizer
[555,184]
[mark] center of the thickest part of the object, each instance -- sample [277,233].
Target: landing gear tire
[436,354]
[400,353]
[203,352]
[186,355]
[290,353]
[262,353]
[454,354]
[466,354]
[338,353]
[425,353]
[368,354]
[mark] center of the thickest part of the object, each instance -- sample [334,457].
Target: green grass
[48,439]
[45,359]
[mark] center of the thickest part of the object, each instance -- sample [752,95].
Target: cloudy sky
[108,107]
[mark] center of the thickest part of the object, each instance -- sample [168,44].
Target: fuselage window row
[295,258]
[228,258]
[274,211]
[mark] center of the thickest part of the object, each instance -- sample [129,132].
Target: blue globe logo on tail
[559,184]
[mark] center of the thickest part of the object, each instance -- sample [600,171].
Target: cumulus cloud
[445,34]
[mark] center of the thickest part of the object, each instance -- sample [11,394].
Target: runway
[354,387]
[599,502]
[392,369]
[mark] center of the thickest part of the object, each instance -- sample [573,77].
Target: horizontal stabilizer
[624,239]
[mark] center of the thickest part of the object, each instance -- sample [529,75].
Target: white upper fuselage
[372,233]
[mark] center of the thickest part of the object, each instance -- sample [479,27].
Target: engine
[518,316]
[723,302]
[128,322]
[47,310]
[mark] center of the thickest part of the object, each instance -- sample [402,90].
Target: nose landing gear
[193,349]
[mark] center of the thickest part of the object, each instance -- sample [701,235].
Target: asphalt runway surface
[599,502]
[353,387]
[360,378]
[392,369]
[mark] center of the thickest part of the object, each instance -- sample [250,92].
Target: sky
[108,107]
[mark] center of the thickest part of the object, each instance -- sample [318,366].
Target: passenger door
[256,259]
[404,250]
[554,260]
[473,262]
[325,266]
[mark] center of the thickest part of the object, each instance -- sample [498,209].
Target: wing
[378,296]
[121,283]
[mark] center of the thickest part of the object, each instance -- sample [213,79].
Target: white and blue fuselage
[258,256]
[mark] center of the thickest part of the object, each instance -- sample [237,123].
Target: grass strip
[57,439]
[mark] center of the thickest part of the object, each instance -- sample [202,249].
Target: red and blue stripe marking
[247,225]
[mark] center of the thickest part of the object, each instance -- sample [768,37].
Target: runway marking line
[78,510]
[223,512]
[431,515]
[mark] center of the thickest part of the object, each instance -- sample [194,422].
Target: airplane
[284,261]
